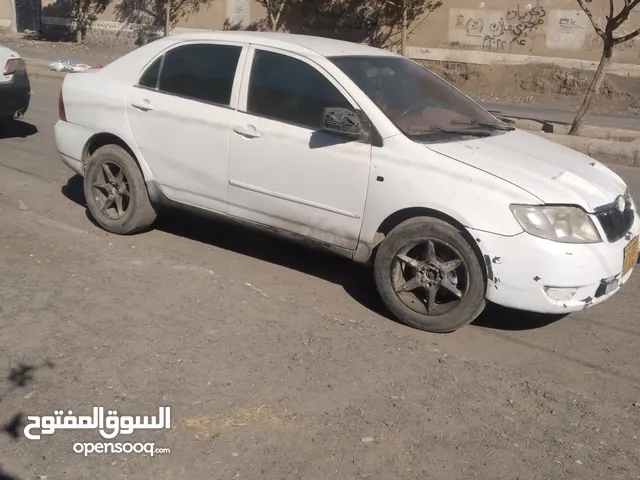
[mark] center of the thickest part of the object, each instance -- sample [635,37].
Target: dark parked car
[15,89]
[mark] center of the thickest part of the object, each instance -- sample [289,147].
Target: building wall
[505,28]
[6,14]
[542,28]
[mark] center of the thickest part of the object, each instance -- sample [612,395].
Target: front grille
[614,222]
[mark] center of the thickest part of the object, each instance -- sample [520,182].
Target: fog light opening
[560,294]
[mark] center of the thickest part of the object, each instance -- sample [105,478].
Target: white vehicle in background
[15,89]
[358,151]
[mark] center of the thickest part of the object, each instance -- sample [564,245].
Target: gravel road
[278,362]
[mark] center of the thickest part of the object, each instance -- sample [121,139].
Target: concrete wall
[111,28]
[462,30]
[543,28]
[6,14]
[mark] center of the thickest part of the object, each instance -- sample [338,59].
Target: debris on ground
[67,66]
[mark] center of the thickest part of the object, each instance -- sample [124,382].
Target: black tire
[389,270]
[139,213]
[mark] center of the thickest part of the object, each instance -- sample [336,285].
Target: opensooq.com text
[106,447]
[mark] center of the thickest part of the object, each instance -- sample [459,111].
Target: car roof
[326,47]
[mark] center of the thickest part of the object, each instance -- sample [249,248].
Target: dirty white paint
[567,29]
[238,11]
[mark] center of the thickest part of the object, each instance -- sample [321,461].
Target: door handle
[144,105]
[249,131]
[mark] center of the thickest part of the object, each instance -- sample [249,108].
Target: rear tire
[116,192]
[429,276]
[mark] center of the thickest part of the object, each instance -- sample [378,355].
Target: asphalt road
[279,362]
[543,114]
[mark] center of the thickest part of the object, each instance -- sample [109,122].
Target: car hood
[547,170]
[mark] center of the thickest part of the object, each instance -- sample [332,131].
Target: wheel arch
[396,218]
[100,140]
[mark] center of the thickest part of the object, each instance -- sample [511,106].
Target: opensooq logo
[109,426]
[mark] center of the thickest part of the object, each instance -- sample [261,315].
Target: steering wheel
[413,107]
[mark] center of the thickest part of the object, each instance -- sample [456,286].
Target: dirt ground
[542,85]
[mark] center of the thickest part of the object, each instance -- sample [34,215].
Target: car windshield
[422,105]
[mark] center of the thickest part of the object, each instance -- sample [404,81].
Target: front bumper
[15,95]
[532,274]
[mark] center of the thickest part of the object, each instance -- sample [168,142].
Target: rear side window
[200,72]
[149,78]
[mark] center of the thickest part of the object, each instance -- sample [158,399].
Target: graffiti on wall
[518,26]
[567,29]
[595,43]
[495,29]
[238,11]
[472,26]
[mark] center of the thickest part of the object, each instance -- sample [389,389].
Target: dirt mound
[551,79]
[543,85]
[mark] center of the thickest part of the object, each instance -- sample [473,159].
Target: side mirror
[342,121]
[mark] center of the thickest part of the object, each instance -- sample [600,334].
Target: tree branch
[626,38]
[586,10]
[431,10]
[611,9]
[278,15]
[624,13]
[144,9]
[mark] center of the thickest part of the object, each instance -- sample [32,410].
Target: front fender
[425,179]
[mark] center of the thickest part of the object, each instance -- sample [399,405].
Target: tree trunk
[14,19]
[167,18]
[403,33]
[594,88]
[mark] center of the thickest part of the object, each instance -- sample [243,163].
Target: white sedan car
[358,151]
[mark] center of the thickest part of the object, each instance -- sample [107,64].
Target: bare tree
[82,12]
[153,15]
[376,22]
[612,23]
[276,10]
[410,11]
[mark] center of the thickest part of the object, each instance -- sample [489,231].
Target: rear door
[180,114]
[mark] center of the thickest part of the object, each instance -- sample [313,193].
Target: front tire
[429,277]
[116,192]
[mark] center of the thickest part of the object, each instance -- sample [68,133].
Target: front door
[180,115]
[283,171]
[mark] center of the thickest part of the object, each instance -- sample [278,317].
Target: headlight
[560,224]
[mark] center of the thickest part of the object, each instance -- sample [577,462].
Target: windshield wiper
[474,133]
[495,126]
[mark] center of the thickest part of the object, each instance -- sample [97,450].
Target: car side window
[149,78]
[202,72]
[287,89]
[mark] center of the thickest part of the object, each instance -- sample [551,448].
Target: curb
[602,133]
[606,151]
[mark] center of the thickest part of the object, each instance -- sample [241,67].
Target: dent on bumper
[70,140]
[537,275]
